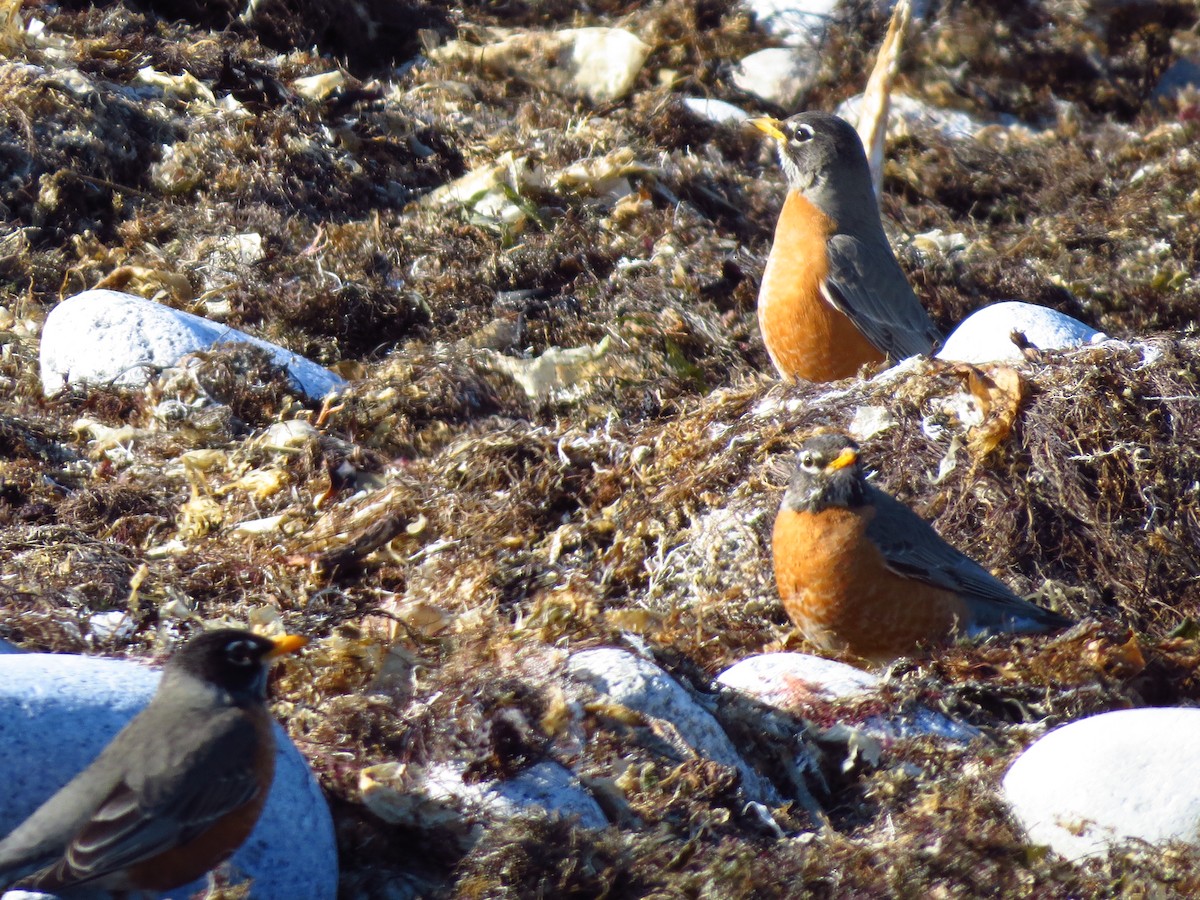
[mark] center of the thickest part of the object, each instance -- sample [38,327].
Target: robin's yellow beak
[289,643]
[846,458]
[771,127]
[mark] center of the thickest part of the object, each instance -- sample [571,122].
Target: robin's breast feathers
[806,336]
[837,588]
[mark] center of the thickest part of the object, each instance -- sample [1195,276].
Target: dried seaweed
[447,536]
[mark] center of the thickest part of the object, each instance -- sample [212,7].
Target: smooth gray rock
[104,337]
[58,711]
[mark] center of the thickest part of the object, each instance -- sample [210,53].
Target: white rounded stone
[716,111]
[790,680]
[58,711]
[103,337]
[804,685]
[294,434]
[603,63]
[794,21]
[1110,779]
[986,335]
[778,75]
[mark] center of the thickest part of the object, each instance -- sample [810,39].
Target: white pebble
[545,786]
[778,75]
[110,625]
[794,21]
[717,111]
[439,797]
[789,680]
[293,434]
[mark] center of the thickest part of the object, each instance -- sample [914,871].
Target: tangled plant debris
[562,431]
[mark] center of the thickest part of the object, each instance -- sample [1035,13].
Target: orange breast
[837,589]
[806,336]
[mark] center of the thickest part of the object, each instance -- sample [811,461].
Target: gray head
[827,474]
[231,660]
[823,158]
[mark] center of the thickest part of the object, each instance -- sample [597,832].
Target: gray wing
[912,548]
[161,804]
[878,299]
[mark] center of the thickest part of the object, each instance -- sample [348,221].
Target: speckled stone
[545,786]
[103,337]
[61,710]
[803,684]
[641,685]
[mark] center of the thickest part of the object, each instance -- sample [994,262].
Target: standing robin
[174,793]
[833,296]
[859,572]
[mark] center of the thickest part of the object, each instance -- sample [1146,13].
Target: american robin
[860,572]
[832,295]
[174,793]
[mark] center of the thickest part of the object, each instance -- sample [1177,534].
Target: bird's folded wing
[911,547]
[151,812]
[874,293]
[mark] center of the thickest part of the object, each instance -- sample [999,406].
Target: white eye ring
[802,133]
[807,461]
[240,653]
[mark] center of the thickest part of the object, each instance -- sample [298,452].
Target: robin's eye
[807,461]
[802,133]
[240,653]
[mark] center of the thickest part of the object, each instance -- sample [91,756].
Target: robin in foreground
[859,572]
[832,295]
[174,793]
